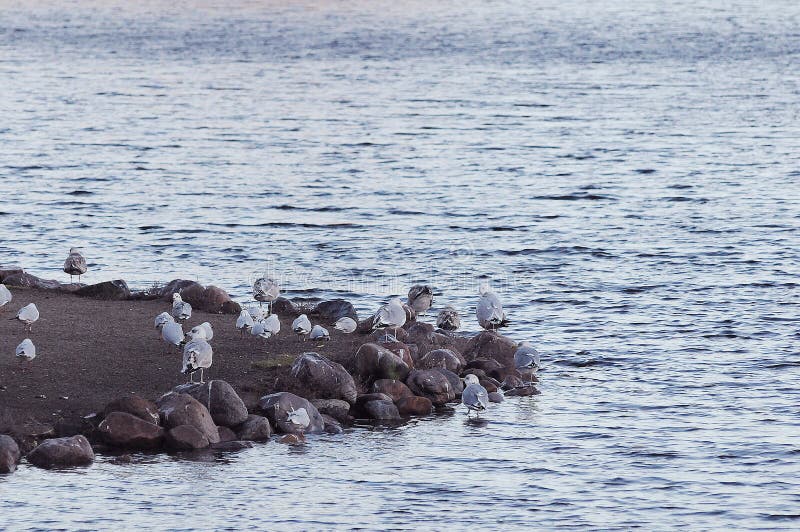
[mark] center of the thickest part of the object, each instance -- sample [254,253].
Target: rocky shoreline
[103,380]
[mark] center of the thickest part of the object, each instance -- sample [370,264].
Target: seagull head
[176,297]
[471,379]
[484,288]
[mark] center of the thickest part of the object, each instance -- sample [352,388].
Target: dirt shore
[89,352]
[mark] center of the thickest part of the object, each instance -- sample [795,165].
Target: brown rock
[226,434]
[221,400]
[178,409]
[374,362]
[112,290]
[414,406]
[5,271]
[442,358]
[398,348]
[256,428]
[292,439]
[284,307]
[332,426]
[396,390]
[455,381]
[511,382]
[432,384]
[30,281]
[490,344]
[324,378]
[186,438]
[215,299]
[135,405]
[333,310]
[335,408]
[9,454]
[524,391]
[62,452]
[232,446]
[398,333]
[411,314]
[178,285]
[120,429]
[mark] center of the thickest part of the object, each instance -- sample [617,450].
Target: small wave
[80,193]
[576,196]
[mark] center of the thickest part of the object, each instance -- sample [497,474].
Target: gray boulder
[178,409]
[9,454]
[495,397]
[255,428]
[186,438]
[333,310]
[277,406]
[432,384]
[335,408]
[120,429]
[373,362]
[381,410]
[113,290]
[442,358]
[221,400]
[324,378]
[134,405]
[73,451]
[490,344]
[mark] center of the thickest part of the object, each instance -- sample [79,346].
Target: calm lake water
[627,175]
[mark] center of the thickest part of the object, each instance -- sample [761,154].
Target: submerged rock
[9,454]
[324,378]
[382,410]
[221,400]
[495,397]
[62,452]
[523,391]
[120,429]
[277,407]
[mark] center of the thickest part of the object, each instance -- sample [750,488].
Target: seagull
[448,319]
[318,332]
[257,313]
[390,315]
[162,319]
[26,350]
[346,325]
[420,298]
[490,310]
[5,295]
[301,326]
[172,333]
[181,310]
[197,354]
[28,314]
[75,264]
[202,331]
[526,360]
[475,397]
[272,325]
[265,289]
[259,330]
[299,418]
[244,322]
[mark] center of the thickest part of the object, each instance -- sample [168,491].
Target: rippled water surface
[626,174]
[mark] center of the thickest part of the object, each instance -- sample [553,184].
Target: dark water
[626,175]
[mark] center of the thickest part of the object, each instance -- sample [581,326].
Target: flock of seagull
[198,353]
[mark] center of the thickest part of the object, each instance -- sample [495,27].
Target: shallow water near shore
[627,176]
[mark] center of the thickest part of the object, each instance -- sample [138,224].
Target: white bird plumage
[301,325]
[244,322]
[526,360]
[474,397]
[299,418]
[197,355]
[28,315]
[181,310]
[490,312]
[162,319]
[5,295]
[266,290]
[347,325]
[391,314]
[201,332]
[318,332]
[172,333]
[26,350]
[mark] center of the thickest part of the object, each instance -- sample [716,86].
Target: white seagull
[420,298]
[448,319]
[257,313]
[172,333]
[162,319]
[347,325]
[490,312]
[299,418]
[301,325]
[181,310]
[28,315]
[474,397]
[390,315]
[272,325]
[244,322]
[526,360]
[5,295]
[197,354]
[265,289]
[318,332]
[26,350]
[75,264]
[202,331]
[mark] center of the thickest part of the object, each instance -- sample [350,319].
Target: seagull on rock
[420,298]
[181,310]
[28,315]
[5,295]
[26,350]
[318,332]
[299,418]
[75,264]
[244,322]
[390,315]
[448,319]
[526,360]
[474,397]
[347,325]
[197,354]
[301,326]
[490,310]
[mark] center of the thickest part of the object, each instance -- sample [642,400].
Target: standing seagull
[265,289]
[202,331]
[420,298]
[299,418]
[526,360]
[475,397]
[346,325]
[181,310]
[196,355]
[448,319]
[490,310]
[318,332]
[301,326]
[5,295]
[75,264]
[172,333]
[26,350]
[28,315]
[162,319]
[390,315]
[244,322]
